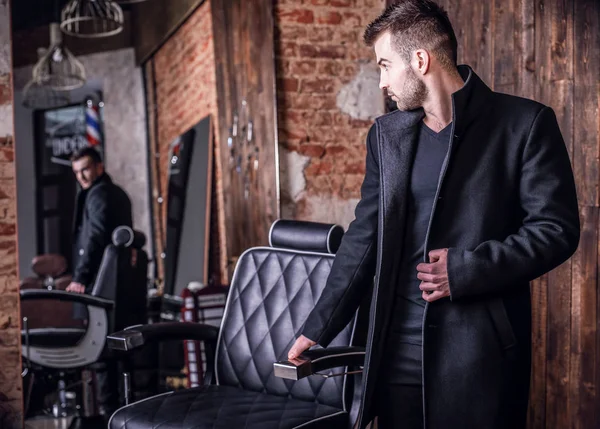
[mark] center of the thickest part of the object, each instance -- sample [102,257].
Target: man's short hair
[416,24]
[87,151]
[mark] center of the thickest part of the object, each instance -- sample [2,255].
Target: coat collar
[467,103]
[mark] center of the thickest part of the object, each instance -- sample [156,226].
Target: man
[468,195]
[101,206]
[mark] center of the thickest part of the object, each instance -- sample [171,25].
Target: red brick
[351,19]
[341,119]
[291,33]
[322,118]
[319,2]
[335,150]
[322,34]
[5,94]
[6,155]
[302,16]
[317,168]
[310,101]
[330,68]
[7,228]
[341,3]
[311,150]
[287,84]
[320,51]
[355,168]
[303,67]
[317,86]
[328,17]
[288,50]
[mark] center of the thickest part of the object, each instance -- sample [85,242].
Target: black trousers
[107,386]
[400,406]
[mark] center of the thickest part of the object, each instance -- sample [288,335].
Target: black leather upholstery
[124,236]
[54,337]
[224,407]
[308,236]
[122,277]
[272,292]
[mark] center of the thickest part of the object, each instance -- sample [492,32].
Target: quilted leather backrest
[271,295]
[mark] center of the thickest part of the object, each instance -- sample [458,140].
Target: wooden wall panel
[245,68]
[549,50]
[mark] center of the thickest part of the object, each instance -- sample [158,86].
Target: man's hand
[434,276]
[301,344]
[75,287]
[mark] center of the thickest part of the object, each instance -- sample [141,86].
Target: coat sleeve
[353,269]
[96,241]
[549,234]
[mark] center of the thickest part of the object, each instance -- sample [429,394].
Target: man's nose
[382,83]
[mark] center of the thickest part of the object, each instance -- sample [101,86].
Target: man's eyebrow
[382,60]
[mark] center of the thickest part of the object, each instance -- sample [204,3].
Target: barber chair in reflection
[118,299]
[272,292]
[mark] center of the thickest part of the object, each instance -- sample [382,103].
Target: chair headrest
[307,236]
[49,264]
[125,236]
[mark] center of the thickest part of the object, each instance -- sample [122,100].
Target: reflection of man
[468,195]
[101,207]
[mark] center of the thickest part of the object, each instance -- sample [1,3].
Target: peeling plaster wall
[115,74]
[328,95]
[360,98]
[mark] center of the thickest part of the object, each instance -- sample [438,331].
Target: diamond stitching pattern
[274,292]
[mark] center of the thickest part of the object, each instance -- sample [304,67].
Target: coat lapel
[397,138]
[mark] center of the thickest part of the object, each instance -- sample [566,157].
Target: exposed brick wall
[319,51]
[185,93]
[10,334]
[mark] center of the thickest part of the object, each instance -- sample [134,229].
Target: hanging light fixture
[58,68]
[37,96]
[91,18]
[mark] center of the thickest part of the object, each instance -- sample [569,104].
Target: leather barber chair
[49,270]
[118,299]
[272,292]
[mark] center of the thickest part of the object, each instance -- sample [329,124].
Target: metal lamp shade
[38,96]
[59,69]
[91,18]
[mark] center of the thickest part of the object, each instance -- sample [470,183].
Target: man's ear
[421,61]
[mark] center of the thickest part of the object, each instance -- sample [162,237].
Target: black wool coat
[98,211]
[506,208]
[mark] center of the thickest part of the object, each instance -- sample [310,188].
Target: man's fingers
[301,344]
[430,297]
[430,278]
[425,268]
[429,287]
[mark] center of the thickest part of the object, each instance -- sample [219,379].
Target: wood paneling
[549,50]
[245,68]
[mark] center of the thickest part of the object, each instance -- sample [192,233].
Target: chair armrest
[59,295]
[312,361]
[136,336]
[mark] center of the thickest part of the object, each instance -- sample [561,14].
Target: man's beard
[413,94]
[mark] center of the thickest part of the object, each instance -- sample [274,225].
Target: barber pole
[92,123]
[191,348]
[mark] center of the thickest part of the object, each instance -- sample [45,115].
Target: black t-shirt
[405,340]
